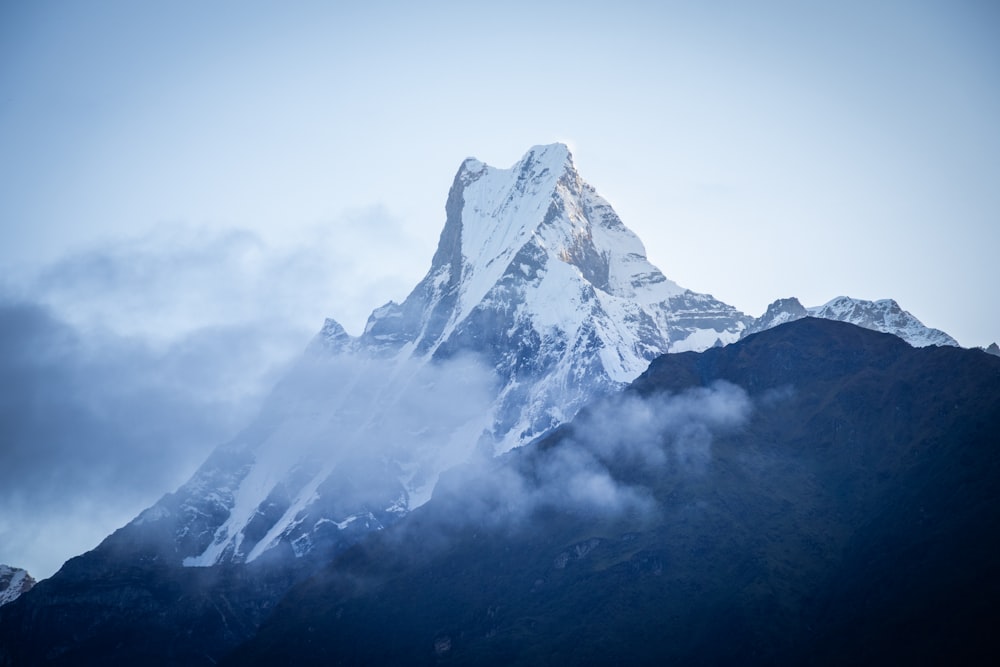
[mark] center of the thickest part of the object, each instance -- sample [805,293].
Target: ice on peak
[550,156]
[842,306]
[555,158]
[851,302]
[470,169]
[535,214]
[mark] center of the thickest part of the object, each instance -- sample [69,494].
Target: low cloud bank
[94,427]
[122,366]
[601,465]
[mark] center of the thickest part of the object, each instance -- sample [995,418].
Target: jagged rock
[14,582]
[779,312]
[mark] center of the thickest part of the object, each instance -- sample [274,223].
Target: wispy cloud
[175,279]
[122,366]
[102,422]
[602,462]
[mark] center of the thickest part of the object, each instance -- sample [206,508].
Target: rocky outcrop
[14,582]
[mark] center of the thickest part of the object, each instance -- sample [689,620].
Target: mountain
[884,315]
[993,349]
[779,312]
[816,493]
[14,582]
[536,288]
[538,300]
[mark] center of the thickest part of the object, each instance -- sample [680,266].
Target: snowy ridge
[884,315]
[538,298]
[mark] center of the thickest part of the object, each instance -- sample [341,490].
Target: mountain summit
[535,272]
[536,287]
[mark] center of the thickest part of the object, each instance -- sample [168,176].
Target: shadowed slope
[852,517]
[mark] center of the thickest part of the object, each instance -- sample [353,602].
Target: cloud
[124,365]
[602,463]
[177,278]
[97,422]
[354,409]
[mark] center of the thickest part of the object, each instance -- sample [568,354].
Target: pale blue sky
[760,149]
[198,184]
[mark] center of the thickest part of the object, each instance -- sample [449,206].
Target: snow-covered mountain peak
[503,207]
[552,158]
[539,208]
[538,298]
[539,160]
[555,158]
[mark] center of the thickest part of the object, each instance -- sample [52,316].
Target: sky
[189,188]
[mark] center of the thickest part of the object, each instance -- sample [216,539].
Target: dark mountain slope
[108,610]
[844,511]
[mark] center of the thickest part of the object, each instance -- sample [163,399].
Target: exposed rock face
[779,312]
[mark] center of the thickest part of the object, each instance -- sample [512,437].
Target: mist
[96,426]
[403,419]
[604,463]
[123,364]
